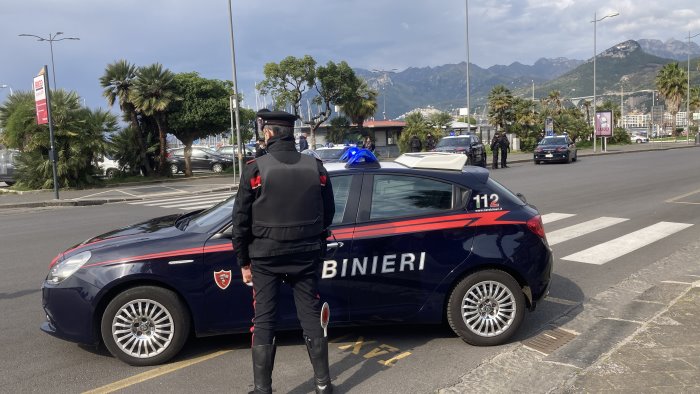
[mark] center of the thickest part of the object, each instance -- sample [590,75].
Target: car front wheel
[217,167]
[486,308]
[174,169]
[145,325]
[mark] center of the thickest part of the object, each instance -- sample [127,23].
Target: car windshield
[326,154]
[459,141]
[213,218]
[553,141]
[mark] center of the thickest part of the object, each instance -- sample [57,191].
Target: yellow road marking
[390,362]
[154,373]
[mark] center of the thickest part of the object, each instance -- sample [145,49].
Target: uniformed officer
[283,208]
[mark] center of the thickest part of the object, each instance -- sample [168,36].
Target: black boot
[318,354]
[263,363]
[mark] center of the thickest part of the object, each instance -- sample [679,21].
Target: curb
[78,202]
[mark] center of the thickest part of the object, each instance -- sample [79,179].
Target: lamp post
[687,103]
[51,40]
[467,39]
[595,22]
[385,80]
[234,99]
[3,86]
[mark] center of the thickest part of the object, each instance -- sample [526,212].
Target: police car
[423,239]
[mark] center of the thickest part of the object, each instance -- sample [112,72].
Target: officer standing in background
[260,148]
[283,208]
[494,150]
[505,148]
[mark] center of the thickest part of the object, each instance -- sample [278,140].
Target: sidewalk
[640,336]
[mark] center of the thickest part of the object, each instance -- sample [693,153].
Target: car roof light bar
[433,160]
[359,157]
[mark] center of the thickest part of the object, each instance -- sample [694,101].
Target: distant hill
[671,49]
[444,87]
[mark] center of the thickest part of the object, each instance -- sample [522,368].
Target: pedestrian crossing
[595,255]
[188,203]
[610,250]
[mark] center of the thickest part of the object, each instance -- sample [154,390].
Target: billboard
[604,124]
[42,113]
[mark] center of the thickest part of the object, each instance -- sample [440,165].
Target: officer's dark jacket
[283,205]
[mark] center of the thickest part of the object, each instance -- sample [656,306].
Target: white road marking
[553,217]
[147,202]
[580,229]
[179,204]
[607,251]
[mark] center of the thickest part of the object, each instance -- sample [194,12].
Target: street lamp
[3,86]
[234,99]
[687,103]
[467,39]
[595,22]
[51,40]
[385,80]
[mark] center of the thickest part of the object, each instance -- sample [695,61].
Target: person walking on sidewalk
[283,209]
[494,150]
[504,144]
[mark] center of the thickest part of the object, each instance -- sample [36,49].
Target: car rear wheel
[145,325]
[537,162]
[486,308]
[217,167]
[174,169]
[110,173]
[575,156]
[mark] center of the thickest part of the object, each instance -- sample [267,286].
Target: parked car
[639,139]
[108,166]
[330,155]
[555,148]
[228,150]
[420,240]
[201,159]
[7,165]
[468,144]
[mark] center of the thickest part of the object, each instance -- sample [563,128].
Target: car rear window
[399,195]
[459,141]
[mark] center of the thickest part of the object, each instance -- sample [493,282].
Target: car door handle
[334,245]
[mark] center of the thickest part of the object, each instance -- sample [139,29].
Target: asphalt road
[636,190]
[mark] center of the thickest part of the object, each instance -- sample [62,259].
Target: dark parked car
[469,144]
[420,240]
[201,159]
[228,150]
[7,166]
[555,148]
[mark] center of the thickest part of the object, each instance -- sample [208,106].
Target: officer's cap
[276,118]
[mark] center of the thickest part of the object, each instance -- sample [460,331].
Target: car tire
[486,308]
[110,173]
[151,336]
[174,169]
[537,162]
[217,167]
[575,156]
[638,141]
[483,160]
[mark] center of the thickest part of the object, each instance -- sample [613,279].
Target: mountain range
[634,64]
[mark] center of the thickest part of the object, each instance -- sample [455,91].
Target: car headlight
[66,268]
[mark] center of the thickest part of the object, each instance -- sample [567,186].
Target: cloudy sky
[372,34]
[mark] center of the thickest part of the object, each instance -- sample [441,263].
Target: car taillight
[535,225]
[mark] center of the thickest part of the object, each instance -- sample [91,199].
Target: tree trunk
[145,165]
[188,156]
[163,168]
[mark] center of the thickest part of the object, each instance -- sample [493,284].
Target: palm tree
[694,101]
[554,99]
[362,104]
[500,106]
[152,93]
[118,81]
[671,82]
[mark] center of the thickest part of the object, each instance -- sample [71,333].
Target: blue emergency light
[359,157]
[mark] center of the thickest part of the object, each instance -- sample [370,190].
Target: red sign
[42,112]
[604,124]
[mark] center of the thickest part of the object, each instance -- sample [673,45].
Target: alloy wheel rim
[143,328]
[488,308]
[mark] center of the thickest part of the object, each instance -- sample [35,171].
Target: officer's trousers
[504,157]
[300,272]
[495,158]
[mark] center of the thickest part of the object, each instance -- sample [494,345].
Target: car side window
[397,195]
[341,192]
[197,153]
